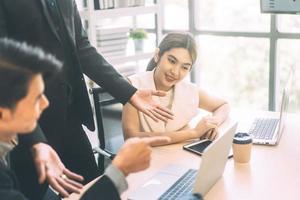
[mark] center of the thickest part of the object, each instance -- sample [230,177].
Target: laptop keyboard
[183,186]
[263,128]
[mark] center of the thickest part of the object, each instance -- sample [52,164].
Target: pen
[104,153]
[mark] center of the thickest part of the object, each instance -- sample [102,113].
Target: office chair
[103,103]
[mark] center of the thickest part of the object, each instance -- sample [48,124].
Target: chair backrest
[108,114]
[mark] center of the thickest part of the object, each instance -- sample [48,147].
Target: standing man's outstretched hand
[143,101]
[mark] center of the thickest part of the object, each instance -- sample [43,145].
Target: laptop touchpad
[159,183]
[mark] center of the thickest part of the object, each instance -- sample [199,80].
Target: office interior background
[244,55]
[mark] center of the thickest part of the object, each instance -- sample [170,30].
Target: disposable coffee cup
[242,144]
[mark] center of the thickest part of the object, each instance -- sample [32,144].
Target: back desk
[273,172]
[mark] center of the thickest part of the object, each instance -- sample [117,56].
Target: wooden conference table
[273,172]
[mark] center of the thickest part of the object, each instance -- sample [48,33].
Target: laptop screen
[285,103]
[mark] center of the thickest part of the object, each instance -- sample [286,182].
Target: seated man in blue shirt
[23,70]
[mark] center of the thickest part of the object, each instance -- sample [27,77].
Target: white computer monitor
[280,6]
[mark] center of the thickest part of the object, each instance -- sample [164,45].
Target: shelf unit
[130,58]
[91,16]
[119,12]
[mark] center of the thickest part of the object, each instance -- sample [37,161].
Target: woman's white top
[182,100]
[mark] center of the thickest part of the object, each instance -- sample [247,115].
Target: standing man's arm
[99,70]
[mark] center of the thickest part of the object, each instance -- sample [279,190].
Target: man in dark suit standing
[55,26]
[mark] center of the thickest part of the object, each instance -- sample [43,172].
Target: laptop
[268,131]
[175,181]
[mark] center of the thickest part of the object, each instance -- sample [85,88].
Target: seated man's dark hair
[19,62]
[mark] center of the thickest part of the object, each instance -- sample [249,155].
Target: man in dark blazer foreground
[55,26]
[22,101]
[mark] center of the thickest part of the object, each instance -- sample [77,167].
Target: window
[230,15]
[289,23]
[239,47]
[231,71]
[288,56]
[176,15]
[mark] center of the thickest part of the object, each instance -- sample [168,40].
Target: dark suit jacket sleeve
[37,135]
[97,68]
[102,189]
[7,189]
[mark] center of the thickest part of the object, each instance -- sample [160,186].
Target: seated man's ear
[5,114]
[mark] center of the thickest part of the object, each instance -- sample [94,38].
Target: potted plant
[138,36]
